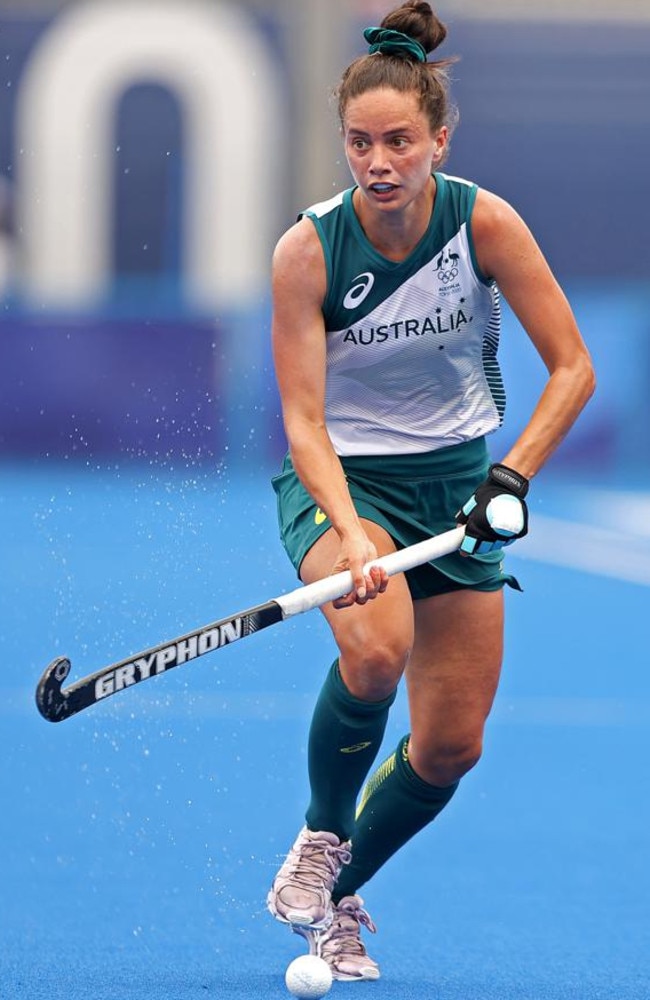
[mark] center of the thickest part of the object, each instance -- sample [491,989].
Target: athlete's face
[390,147]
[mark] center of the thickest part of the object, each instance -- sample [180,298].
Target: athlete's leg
[451,678]
[350,716]
[346,732]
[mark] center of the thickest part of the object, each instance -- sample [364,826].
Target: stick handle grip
[314,595]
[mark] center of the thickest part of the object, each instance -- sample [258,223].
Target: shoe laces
[343,936]
[319,859]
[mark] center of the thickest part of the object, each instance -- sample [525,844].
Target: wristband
[509,480]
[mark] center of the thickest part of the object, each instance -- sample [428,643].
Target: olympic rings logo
[447,275]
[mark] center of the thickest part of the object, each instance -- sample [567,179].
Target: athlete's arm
[298,334]
[507,252]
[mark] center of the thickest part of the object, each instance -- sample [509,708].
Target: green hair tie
[390,42]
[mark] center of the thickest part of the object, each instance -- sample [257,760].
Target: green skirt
[412,497]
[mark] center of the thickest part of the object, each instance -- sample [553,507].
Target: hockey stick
[56,703]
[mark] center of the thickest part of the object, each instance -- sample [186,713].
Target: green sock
[344,739]
[395,805]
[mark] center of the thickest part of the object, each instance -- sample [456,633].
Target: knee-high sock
[344,739]
[395,805]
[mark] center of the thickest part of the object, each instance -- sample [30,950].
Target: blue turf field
[139,838]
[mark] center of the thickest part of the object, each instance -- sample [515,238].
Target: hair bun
[417,20]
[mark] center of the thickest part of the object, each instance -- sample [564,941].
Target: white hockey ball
[308,977]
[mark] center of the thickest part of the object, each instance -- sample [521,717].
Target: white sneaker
[302,890]
[340,945]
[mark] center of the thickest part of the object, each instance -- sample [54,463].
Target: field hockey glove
[496,514]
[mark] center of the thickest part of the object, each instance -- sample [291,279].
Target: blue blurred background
[151,153]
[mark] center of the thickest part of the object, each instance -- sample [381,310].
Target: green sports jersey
[411,345]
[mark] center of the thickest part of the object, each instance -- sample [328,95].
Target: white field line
[619,555]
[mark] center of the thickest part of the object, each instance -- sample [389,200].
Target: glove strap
[509,480]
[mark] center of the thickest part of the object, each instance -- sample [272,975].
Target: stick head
[50,701]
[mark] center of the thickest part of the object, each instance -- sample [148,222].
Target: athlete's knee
[443,764]
[372,669]
[462,756]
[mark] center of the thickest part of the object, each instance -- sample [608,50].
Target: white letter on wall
[214,60]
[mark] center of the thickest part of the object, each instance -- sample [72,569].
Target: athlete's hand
[496,514]
[354,554]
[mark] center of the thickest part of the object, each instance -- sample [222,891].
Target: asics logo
[356,747]
[358,292]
